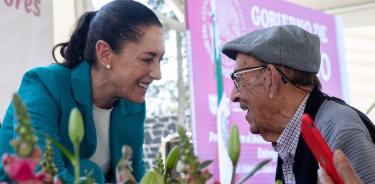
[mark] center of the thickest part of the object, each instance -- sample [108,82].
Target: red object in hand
[319,147]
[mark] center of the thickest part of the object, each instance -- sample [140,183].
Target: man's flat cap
[286,45]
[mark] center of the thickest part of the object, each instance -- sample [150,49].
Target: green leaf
[256,168]
[152,177]
[279,182]
[205,164]
[63,150]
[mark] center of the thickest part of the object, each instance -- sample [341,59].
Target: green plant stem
[165,176]
[233,175]
[76,164]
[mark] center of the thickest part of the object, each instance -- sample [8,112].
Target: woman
[111,59]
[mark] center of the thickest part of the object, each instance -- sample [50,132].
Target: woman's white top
[102,154]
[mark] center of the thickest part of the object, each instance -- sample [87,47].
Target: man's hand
[344,169]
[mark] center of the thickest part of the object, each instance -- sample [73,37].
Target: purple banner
[235,18]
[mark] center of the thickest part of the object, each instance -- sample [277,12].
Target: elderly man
[275,82]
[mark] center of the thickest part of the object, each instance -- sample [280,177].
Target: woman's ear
[103,53]
[273,81]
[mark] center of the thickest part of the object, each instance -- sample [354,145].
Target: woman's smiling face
[138,65]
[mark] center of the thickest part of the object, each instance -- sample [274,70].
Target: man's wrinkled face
[251,92]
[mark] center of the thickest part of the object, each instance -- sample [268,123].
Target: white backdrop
[26,39]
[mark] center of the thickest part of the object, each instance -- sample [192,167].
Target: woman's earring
[108,67]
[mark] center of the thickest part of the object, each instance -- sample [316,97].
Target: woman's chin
[137,98]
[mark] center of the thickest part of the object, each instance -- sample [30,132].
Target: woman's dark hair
[116,23]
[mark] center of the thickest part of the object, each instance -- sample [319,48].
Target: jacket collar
[81,83]
[81,87]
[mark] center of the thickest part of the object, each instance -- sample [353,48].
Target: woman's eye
[148,60]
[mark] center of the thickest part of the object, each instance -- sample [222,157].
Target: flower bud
[234,145]
[76,131]
[172,158]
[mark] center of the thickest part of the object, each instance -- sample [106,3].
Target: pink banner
[235,18]
[27,39]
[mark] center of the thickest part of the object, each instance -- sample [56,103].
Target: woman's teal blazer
[50,93]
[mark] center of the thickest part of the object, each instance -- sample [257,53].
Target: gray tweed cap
[286,45]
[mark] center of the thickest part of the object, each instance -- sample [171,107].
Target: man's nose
[234,95]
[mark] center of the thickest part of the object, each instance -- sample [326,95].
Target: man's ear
[273,81]
[103,53]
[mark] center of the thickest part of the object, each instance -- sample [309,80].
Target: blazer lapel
[125,128]
[81,87]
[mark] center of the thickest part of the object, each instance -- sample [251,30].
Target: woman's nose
[155,72]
